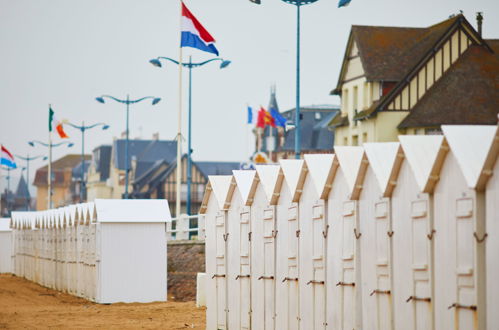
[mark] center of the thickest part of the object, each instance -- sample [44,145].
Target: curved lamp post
[28,159]
[83,128]
[101,99]
[157,62]
[49,174]
[298,4]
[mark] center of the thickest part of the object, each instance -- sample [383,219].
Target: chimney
[479,20]
[155,136]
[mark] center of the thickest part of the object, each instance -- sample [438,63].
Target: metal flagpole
[49,174]
[179,129]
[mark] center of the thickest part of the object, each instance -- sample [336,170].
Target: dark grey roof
[76,171]
[217,168]
[273,100]
[101,158]
[22,189]
[144,151]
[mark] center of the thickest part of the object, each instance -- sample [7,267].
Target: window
[364,137]
[355,97]
[355,140]
[345,141]
[345,101]
[318,116]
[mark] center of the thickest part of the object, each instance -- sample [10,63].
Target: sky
[67,52]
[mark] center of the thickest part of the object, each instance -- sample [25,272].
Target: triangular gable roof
[246,184]
[222,186]
[294,171]
[351,160]
[271,179]
[471,146]
[385,160]
[425,155]
[321,169]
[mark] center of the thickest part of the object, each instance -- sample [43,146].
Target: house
[18,201]
[106,174]
[63,182]
[405,80]
[316,137]
[159,181]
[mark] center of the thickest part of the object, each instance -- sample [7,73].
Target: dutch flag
[6,159]
[194,34]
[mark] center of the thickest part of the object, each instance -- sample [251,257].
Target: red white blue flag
[194,34]
[6,158]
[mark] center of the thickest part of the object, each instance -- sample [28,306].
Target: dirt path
[24,304]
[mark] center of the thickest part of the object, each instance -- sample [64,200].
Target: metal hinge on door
[226,236]
[249,236]
[324,232]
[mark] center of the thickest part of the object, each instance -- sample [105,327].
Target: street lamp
[49,174]
[155,101]
[157,62]
[83,128]
[28,159]
[298,4]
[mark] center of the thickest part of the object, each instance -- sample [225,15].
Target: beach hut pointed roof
[353,163]
[385,159]
[246,184]
[271,179]
[471,145]
[321,169]
[425,155]
[294,171]
[223,186]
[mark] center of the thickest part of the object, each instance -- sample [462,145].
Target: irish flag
[57,124]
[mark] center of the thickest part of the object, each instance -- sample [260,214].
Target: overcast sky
[67,52]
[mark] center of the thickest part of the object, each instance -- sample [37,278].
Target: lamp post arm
[139,100]
[114,98]
[205,62]
[171,60]
[60,144]
[84,128]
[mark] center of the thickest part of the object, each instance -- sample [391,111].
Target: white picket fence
[108,251]
[179,228]
[386,236]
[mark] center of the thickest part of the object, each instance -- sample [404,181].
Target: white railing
[179,228]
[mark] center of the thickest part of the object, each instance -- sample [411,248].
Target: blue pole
[297,110]
[189,142]
[126,146]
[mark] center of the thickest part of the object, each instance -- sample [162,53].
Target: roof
[22,189]
[387,52]
[467,94]
[217,168]
[315,135]
[102,161]
[77,169]
[144,150]
[59,167]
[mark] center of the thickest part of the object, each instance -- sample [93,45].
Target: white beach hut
[342,213]
[214,207]
[492,240]
[5,246]
[375,222]
[263,247]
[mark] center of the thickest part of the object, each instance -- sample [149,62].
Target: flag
[53,122]
[251,115]
[194,35]
[278,118]
[343,3]
[264,118]
[6,158]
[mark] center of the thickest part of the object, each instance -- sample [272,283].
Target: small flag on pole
[6,159]
[251,116]
[278,118]
[194,35]
[57,124]
[343,3]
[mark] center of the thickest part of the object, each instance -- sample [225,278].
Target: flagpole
[179,125]
[49,175]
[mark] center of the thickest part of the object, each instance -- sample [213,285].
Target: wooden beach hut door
[244,276]
[348,264]
[421,262]
[383,290]
[221,270]
[293,270]
[268,277]
[319,234]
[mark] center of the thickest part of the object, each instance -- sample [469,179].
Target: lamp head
[70,144]
[45,158]
[156,100]
[105,127]
[31,143]
[155,62]
[100,99]
[224,64]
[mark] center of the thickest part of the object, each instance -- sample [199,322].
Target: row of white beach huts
[105,251]
[385,236]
